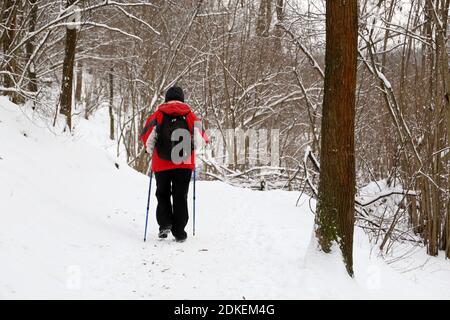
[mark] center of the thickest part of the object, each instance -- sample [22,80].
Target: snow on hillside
[72,227]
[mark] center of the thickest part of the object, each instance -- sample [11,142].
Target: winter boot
[163,233]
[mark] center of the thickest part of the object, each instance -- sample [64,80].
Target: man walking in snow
[171,135]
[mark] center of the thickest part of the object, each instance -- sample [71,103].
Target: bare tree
[111,104]
[8,19]
[67,73]
[30,47]
[335,208]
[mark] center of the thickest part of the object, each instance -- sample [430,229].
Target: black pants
[173,183]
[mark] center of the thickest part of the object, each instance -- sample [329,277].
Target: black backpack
[164,143]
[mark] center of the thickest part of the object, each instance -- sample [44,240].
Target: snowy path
[244,247]
[72,227]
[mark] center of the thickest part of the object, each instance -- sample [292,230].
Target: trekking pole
[193,206]
[148,205]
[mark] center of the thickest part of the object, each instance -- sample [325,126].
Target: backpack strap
[148,127]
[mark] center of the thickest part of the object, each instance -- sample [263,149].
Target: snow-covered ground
[71,226]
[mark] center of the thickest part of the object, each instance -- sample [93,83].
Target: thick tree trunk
[437,20]
[264,18]
[32,86]
[79,85]
[279,9]
[446,78]
[9,20]
[67,76]
[335,208]
[111,101]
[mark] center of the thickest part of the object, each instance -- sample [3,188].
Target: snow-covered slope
[71,226]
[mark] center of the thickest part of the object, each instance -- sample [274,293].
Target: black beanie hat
[174,93]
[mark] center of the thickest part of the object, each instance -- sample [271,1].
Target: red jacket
[173,108]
